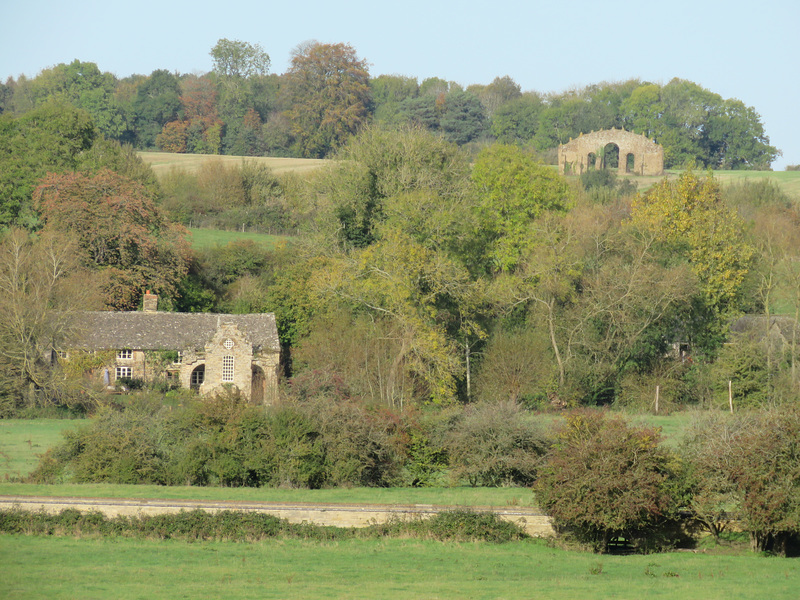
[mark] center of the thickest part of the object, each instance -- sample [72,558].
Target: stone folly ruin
[637,154]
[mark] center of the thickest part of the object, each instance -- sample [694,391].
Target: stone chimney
[150,302]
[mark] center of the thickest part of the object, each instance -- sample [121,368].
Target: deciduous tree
[120,231]
[327,87]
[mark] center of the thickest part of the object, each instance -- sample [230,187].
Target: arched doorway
[197,377]
[630,163]
[257,385]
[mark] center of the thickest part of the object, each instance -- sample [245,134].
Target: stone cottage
[203,351]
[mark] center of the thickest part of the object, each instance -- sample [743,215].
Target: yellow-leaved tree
[693,223]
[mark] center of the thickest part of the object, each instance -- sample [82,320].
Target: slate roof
[108,330]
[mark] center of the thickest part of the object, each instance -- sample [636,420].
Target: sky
[734,48]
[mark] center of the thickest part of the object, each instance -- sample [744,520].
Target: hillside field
[163,162]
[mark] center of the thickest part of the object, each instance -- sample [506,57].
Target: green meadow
[208,238]
[55,567]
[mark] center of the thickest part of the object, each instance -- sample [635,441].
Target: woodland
[442,285]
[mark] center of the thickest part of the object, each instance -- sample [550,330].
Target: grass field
[788,181]
[48,567]
[163,162]
[22,441]
[208,238]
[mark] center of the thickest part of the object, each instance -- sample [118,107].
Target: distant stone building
[203,351]
[638,154]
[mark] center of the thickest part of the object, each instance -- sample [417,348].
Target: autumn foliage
[121,233]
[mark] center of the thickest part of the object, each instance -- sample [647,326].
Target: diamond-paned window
[228,344]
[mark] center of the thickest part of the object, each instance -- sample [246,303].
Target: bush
[496,444]
[604,481]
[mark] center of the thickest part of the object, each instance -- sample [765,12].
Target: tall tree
[327,87]
[157,103]
[691,219]
[50,138]
[41,289]
[121,232]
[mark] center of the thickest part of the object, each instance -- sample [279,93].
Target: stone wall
[648,156]
[532,521]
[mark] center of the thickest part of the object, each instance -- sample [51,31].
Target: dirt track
[340,515]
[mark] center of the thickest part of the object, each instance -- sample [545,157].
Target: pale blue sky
[738,49]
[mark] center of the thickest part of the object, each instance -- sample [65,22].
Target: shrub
[604,480]
[496,444]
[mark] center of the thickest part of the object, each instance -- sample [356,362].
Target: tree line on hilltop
[328,94]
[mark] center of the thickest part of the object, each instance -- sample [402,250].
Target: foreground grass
[46,567]
[208,238]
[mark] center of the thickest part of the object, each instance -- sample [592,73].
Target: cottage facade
[203,351]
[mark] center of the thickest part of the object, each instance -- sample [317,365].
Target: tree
[501,91]
[691,219]
[50,138]
[749,462]
[83,85]
[41,290]
[517,120]
[463,118]
[604,479]
[237,59]
[513,189]
[157,103]
[121,232]
[328,92]
[380,164]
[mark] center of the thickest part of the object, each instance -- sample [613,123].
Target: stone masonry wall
[648,156]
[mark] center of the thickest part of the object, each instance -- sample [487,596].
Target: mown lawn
[47,567]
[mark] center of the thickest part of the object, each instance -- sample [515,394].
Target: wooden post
[730,395]
[658,388]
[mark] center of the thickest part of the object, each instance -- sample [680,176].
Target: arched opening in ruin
[591,161]
[611,156]
[258,385]
[629,163]
[197,377]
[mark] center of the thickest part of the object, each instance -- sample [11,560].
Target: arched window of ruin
[591,161]
[629,163]
[611,156]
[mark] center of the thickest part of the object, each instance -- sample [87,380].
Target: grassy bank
[46,567]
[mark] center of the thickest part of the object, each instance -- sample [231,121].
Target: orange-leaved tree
[121,231]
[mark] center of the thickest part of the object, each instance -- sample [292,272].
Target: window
[227,369]
[124,354]
[124,372]
[178,359]
[198,377]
